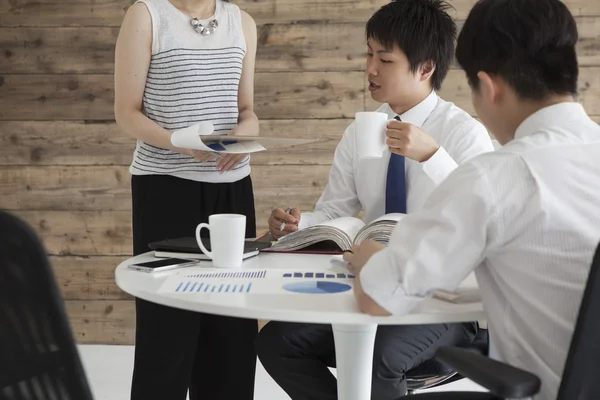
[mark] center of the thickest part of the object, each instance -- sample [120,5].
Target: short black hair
[529,43]
[422,29]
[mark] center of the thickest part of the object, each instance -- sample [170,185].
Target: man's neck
[405,104]
[524,109]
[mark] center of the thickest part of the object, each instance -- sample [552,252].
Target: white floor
[109,372]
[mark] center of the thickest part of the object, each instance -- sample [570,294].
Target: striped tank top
[192,78]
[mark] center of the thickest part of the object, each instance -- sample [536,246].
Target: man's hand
[409,141]
[279,217]
[361,254]
[366,302]
[229,161]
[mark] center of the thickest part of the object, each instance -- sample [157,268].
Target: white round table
[354,332]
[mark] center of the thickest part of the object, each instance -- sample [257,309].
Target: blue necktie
[395,186]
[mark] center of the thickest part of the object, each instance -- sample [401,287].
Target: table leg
[354,359]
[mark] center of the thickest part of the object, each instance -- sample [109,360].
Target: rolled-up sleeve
[435,248]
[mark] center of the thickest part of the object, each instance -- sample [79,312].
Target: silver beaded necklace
[206,30]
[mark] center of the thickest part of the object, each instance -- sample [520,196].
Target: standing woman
[178,63]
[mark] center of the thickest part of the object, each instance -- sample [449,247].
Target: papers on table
[247,281]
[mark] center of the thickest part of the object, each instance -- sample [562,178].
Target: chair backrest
[581,376]
[38,356]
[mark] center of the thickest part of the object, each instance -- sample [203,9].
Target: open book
[338,235]
[201,136]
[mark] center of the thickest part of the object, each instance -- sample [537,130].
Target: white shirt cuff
[439,166]
[382,282]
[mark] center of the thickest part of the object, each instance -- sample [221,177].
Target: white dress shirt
[356,184]
[526,218]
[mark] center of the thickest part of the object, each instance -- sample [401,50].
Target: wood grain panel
[279,95]
[309,94]
[82,233]
[108,188]
[105,321]
[456,90]
[90,97]
[283,47]
[30,50]
[111,12]
[88,278]
[102,321]
[102,143]
[108,233]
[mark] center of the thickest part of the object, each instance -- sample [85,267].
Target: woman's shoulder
[246,18]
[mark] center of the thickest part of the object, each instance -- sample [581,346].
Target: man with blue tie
[407,62]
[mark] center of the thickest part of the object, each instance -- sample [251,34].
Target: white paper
[248,281]
[233,146]
[198,137]
[189,138]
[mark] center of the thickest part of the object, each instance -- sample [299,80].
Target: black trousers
[175,350]
[297,356]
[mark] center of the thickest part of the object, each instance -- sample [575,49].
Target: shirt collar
[418,114]
[550,116]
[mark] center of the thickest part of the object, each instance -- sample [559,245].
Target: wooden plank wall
[63,162]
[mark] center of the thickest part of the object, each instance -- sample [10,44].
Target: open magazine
[200,137]
[338,235]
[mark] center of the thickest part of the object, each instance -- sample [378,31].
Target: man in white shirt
[525,218]
[407,61]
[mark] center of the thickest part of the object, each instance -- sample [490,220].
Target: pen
[289,209]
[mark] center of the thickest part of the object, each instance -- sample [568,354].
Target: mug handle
[209,254]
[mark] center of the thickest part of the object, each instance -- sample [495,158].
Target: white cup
[227,237]
[370,134]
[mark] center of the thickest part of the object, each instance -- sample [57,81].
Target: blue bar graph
[229,275]
[204,287]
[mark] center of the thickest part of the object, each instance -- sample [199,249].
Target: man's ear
[426,70]
[490,87]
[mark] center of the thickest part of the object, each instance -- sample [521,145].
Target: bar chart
[230,275]
[191,286]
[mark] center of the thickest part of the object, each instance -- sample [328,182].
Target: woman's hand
[202,156]
[229,161]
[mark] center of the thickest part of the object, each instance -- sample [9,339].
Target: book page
[349,225]
[232,146]
[199,137]
[380,229]
[269,142]
[189,138]
[340,230]
[388,217]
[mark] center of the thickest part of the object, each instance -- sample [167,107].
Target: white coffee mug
[370,134]
[227,237]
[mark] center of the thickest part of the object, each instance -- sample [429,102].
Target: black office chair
[38,357]
[434,373]
[581,376]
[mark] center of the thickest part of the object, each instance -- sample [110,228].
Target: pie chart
[317,287]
